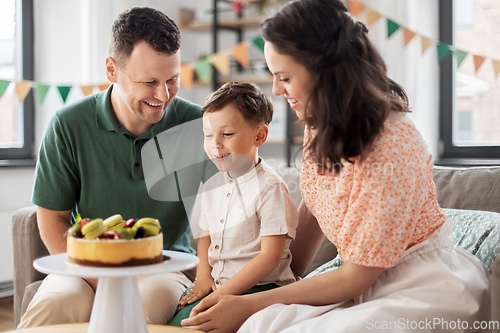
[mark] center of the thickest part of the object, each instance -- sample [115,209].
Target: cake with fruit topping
[114,242]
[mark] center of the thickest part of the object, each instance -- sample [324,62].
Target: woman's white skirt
[434,287]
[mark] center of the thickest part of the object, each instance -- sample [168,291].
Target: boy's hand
[201,288]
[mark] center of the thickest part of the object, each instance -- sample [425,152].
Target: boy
[248,217]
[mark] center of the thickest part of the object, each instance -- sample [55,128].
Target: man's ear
[111,69]
[261,136]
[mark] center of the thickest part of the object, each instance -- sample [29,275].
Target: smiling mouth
[291,100]
[153,104]
[221,156]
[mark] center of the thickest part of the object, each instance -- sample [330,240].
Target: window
[470,94]
[16,64]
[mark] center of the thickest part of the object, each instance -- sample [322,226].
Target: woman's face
[291,79]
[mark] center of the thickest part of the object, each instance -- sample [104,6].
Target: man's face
[144,86]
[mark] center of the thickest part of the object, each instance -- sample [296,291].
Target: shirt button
[217,247]
[228,195]
[217,281]
[221,220]
[230,182]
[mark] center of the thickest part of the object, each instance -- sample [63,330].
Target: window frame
[449,154]
[24,155]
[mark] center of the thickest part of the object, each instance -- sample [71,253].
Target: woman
[366,182]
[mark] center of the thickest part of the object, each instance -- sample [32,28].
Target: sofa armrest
[28,246]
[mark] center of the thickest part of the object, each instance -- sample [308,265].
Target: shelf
[188,23]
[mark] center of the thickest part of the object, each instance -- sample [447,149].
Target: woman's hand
[201,288]
[220,314]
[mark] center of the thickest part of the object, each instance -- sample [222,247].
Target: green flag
[40,92]
[392,27]
[460,56]
[3,86]
[64,92]
[443,50]
[203,68]
[259,43]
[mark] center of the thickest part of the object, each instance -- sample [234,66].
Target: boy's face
[231,142]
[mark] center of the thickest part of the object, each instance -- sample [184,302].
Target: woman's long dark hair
[352,95]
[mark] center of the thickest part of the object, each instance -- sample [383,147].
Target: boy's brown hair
[247,97]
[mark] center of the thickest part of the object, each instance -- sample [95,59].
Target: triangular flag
[259,43]
[203,68]
[478,61]
[240,53]
[408,35]
[372,17]
[40,91]
[222,62]
[355,7]
[103,86]
[87,90]
[22,89]
[392,27]
[187,74]
[426,43]
[460,56]
[443,50]
[3,86]
[64,92]
[496,67]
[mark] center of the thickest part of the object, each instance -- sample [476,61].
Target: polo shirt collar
[105,118]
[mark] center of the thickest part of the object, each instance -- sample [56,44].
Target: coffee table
[117,304]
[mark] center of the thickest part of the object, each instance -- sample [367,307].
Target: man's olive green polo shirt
[88,163]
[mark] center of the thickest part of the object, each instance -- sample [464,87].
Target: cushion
[477,232]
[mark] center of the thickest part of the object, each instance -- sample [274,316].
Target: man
[90,164]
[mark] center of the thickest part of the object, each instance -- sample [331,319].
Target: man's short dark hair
[247,97]
[143,24]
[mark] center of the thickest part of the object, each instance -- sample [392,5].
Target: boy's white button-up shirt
[238,212]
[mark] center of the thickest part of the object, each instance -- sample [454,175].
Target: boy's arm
[258,268]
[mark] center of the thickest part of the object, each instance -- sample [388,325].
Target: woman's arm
[227,313]
[258,268]
[307,241]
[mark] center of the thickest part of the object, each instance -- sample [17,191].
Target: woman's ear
[261,137]
[111,69]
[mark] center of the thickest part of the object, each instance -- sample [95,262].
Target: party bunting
[240,53]
[355,7]
[408,35]
[259,43]
[40,91]
[372,17]
[22,89]
[64,92]
[187,75]
[203,68]
[496,67]
[478,62]
[426,43]
[461,55]
[3,86]
[221,62]
[103,86]
[392,27]
[443,50]
[87,90]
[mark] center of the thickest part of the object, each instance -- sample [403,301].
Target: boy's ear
[111,69]
[261,137]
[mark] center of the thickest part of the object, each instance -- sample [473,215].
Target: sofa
[469,195]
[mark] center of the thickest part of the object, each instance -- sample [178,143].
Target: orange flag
[103,86]
[372,17]
[87,90]
[496,67]
[187,74]
[355,7]
[221,61]
[240,53]
[478,62]
[426,43]
[22,89]
[408,35]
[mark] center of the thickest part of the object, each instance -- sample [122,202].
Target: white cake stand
[117,304]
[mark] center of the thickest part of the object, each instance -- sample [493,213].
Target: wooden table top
[83,328]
